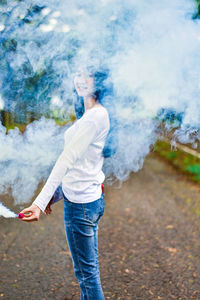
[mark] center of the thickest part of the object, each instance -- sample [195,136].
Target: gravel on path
[149,243]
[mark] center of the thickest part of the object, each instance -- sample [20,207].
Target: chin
[82,94]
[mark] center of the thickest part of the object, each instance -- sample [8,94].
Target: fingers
[29,214]
[49,206]
[48,210]
[30,217]
[26,210]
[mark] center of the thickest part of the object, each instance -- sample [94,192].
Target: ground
[149,243]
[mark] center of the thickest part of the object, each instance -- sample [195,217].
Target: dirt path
[149,243]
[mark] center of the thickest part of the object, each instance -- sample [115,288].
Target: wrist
[36,206]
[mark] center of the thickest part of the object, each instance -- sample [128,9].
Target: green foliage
[171,155]
[3,2]
[28,87]
[197,15]
[183,161]
[10,45]
[32,81]
[194,169]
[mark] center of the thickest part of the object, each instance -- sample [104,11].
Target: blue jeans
[81,228]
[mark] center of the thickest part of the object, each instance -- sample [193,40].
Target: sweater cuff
[42,207]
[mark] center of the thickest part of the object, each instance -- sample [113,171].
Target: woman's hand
[33,213]
[48,209]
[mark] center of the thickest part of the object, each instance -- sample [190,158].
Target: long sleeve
[73,150]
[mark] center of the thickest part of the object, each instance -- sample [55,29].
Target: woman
[79,168]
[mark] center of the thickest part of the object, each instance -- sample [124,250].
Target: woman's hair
[103,92]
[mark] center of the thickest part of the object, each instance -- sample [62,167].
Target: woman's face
[84,83]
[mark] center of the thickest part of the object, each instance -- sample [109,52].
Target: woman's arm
[85,134]
[73,150]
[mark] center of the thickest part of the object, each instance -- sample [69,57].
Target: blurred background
[149,236]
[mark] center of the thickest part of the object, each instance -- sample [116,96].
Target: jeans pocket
[93,210]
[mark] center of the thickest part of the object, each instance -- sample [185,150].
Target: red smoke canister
[20,215]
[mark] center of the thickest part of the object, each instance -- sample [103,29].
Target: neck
[89,102]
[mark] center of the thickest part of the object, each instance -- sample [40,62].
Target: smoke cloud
[26,159]
[5,212]
[152,49]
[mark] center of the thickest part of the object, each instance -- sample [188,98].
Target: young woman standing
[79,169]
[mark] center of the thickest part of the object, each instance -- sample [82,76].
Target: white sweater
[79,167]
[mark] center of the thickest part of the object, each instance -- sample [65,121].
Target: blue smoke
[152,50]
